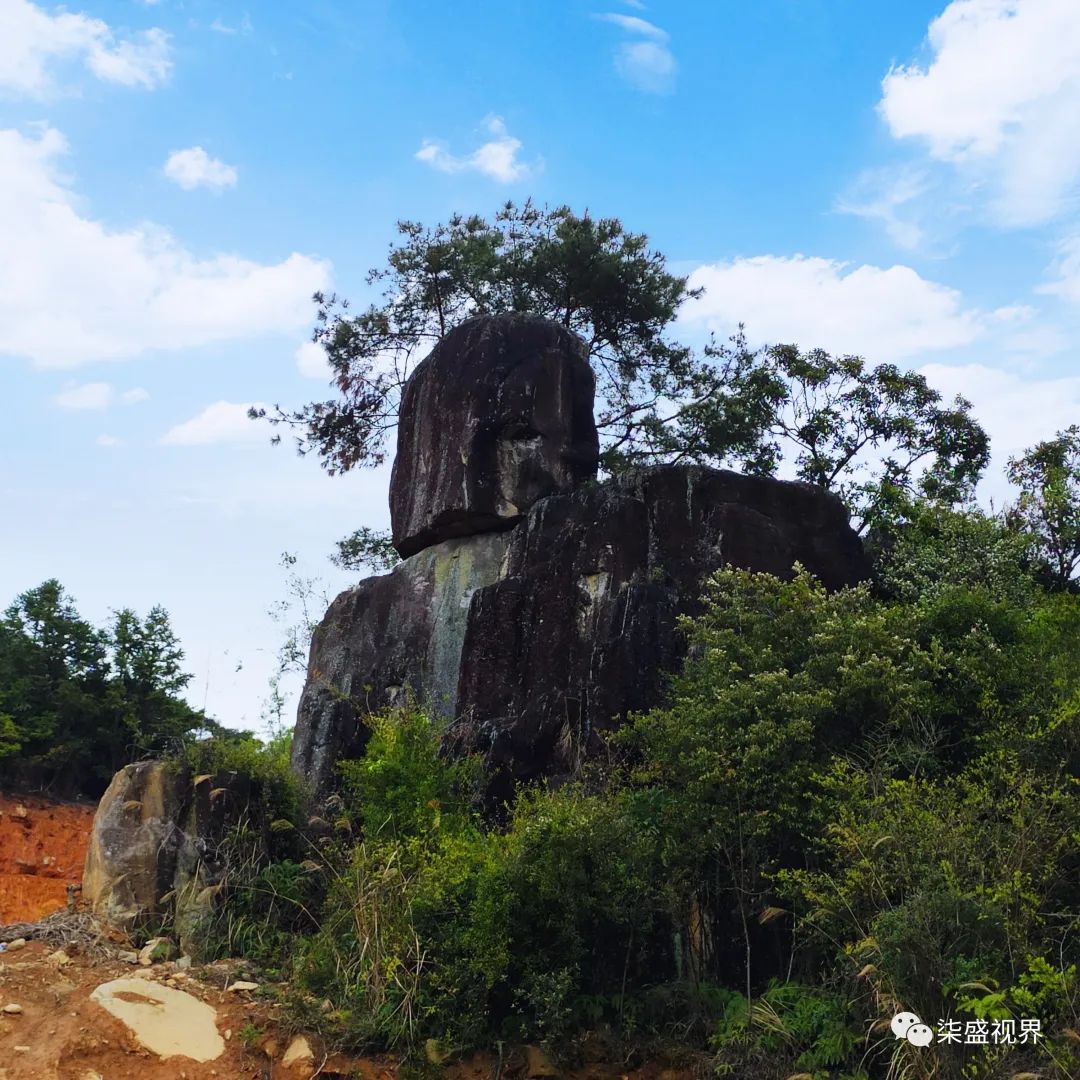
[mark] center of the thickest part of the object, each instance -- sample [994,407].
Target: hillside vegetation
[854,804]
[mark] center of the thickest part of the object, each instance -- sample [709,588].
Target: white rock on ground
[169,1023]
[298,1053]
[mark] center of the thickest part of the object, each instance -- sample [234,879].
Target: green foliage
[76,701]
[922,548]
[850,806]
[867,433]
[366,549]
[437,926]
[1048,476]
[591,274]
[789,1029]
[268,892]
[264,764]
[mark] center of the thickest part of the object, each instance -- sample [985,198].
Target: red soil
[42,850]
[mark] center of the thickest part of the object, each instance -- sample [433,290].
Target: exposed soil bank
[42,851]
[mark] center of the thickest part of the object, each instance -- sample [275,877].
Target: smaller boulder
[156,951]
[299,1054]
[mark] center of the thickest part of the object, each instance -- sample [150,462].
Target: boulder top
[496,417]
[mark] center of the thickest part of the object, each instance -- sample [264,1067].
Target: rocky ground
[91,1011]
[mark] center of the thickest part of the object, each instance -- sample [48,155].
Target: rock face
[499,415]
[155,844]
[537,607]
[131,857]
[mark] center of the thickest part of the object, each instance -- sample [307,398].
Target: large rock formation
[156,844]
[498,416]
[538,607]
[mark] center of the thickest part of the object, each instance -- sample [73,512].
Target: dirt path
[56,1031]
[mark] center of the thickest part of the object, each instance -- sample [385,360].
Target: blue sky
[898,180]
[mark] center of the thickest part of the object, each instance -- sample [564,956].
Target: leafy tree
[870,434]
[77,702]
[921,548]
[298,612]
[366,549]
[862,431]
[1048,476]
[590,274]
[148,679]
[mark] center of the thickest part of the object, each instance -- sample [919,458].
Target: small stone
[18,943]
[228,1034]
[128,957]
[271,1048]
[184,963]
[12,1010]
[156,951]
[240,984]
[298,1053]
[59,958]
[433,1052]
[21,1049]
[326,1006]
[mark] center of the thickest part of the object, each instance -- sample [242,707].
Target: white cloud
[884,314]
[109,440]
[311,361]
[34,42]
[646,62]
[648,65]
[1067,271]
[634,25]
[219,27]
[880,194]
[497,158]
[194,167]
[1016,410]
[999,99]
[222,422]
[73,290]
[95,395]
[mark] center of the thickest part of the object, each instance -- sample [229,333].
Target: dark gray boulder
[532,642]
[499,415]
[389,639]
[582,629]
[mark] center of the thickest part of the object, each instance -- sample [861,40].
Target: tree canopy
[77,701]
[840,422]
[1048,476]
